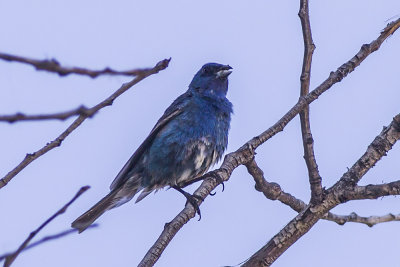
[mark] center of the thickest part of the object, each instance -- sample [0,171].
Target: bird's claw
[219,180]
[192,199]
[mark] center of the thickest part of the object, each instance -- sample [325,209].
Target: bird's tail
[118,196]
[85,220]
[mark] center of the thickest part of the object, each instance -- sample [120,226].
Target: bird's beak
[224,72]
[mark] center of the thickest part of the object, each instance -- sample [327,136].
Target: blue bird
[187,140]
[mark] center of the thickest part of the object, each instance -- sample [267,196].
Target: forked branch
[246,153]
[273,191]
[11,257]
[339,193]
[88,113]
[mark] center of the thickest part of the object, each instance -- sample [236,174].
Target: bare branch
[300,225]
[306,219]
[46,239]
[376,150]
[57,142]
[13,256]
[54,66]
[370,221]
[371,191]
[82,110]
[308,141]
[333,78]
[273,191]
[246,153]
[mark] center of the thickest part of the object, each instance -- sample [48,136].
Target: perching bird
[187,140]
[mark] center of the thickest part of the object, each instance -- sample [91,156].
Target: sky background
[262,41]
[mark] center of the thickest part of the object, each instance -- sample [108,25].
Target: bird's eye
[206,70]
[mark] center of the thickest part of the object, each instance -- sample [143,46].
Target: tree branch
[371,191]
[107,102]
[246,153]
[370,221]
[46,239]
[313,173]
[333,78]
[335,195]
[13,256]
[273,191]
[82,110]
[54,66]
[377,149]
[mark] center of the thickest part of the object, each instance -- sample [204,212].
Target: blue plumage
[187,140]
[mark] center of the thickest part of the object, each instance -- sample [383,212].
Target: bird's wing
[172,111]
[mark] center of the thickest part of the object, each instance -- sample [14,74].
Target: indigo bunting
[187,140]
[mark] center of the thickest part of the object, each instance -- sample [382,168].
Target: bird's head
[211,80]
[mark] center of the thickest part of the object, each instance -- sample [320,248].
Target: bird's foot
[219,180]
[192,199]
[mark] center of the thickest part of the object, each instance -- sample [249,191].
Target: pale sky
[262,41]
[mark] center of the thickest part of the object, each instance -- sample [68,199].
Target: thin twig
[369,221]
[245,153]
[82,110]
[57,142]
[308,141]
[52,65]
[46,239]
[13,256]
